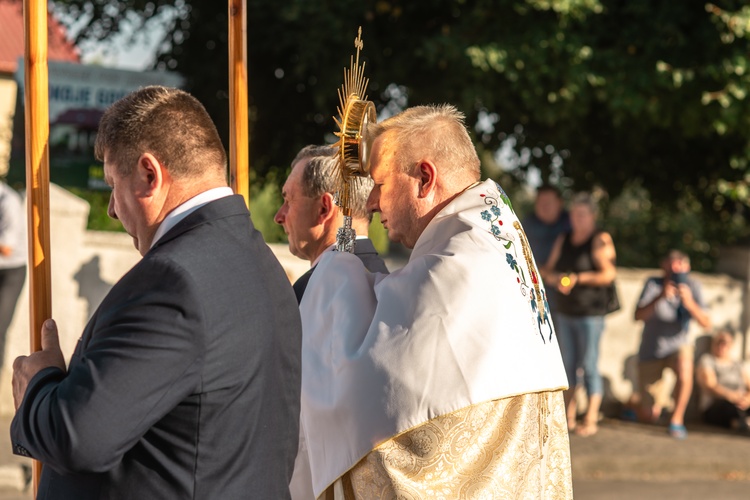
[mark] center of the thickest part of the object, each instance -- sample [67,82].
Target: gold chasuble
[441,380]
[515,447]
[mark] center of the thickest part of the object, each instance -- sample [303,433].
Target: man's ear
[151,174]
[427,173]
[328,208]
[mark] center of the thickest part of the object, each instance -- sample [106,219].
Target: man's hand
[25,367]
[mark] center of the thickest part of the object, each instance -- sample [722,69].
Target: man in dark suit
[311,218]
[185,383]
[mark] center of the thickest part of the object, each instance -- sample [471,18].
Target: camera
[679,278]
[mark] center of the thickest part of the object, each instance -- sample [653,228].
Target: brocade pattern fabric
[511,448]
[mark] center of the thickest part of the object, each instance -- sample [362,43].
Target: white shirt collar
[189,207]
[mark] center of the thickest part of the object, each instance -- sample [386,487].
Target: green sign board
[78,95]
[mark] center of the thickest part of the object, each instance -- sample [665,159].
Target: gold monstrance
[355,113]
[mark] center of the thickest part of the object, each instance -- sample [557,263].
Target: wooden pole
[37,173]
[239,161]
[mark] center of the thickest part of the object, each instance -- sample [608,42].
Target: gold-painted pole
[36,107]
[239,161]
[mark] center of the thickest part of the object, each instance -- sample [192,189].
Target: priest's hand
[25,367]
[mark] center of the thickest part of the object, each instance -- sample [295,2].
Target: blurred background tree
[643,101]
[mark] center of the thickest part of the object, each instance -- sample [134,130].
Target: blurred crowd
[577,260]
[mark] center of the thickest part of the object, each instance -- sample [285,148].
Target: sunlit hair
[436,132]
[166,122]
[319,177]
[313,150]
[549,188]
[586,200]
[722,334]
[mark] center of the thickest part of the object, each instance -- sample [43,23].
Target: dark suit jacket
[364,249]
[185,382]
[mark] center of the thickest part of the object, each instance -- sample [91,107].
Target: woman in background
[582,267]
[725,385]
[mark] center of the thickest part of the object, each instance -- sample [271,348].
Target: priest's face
[395,192]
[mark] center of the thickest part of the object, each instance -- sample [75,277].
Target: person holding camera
[666,306]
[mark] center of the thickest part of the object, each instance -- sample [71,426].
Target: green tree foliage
[648,96]
[265,200]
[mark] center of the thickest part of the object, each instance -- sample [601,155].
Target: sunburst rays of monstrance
[355,113]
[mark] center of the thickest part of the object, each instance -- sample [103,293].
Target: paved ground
[623,461]
[627,460]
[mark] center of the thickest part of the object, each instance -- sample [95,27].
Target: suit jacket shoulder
[365,250]
[301,284]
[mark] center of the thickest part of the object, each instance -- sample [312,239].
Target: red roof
[12,41]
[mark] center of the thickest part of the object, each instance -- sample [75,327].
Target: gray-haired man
[311,218]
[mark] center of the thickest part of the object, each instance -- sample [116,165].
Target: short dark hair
[549,188]
[675,254]
[170,124]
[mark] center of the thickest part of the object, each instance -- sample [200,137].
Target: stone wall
[85,264]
